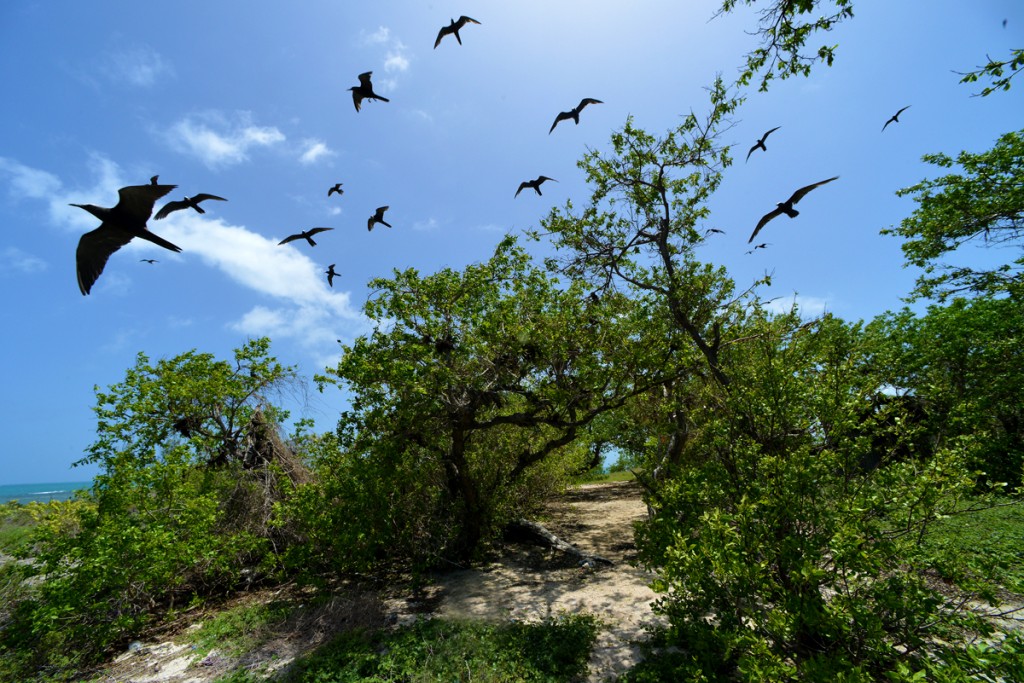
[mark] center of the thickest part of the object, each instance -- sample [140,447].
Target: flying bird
[713,230]
[786,207]
[763,245]
[330,275]
[187,202]
[120,224]
[535,184]
[378,217]
[453,29]
[150,261]
[336,188]
[365,90]
[574,113]
[305,234]
[896,117]
[760,143]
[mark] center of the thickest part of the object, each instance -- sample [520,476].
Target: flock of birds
[128,218]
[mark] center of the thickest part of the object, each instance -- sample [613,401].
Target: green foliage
[16,523]
[964,364]
[466,402]
[235,631]
[170,518]
[996,72]
[556,649]
[984,205]
[784,32]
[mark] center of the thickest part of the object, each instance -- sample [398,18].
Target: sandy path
[533,583]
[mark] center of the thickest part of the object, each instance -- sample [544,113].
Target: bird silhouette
[120,224]
[535,184]
[378,217]
[713,230]
[336,188]
[786,207]
[763,245]
[365,91]
[155,180]
[305,234]
[574,113]
[330,275]
[453,29]
[760,143]
[187,202]
[896,117]
[150,261]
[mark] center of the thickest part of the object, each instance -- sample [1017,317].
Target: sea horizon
[41,492]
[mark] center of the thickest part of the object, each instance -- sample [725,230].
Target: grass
[556,649]
[990,541]
[603,477]
[238,630]
[16,524]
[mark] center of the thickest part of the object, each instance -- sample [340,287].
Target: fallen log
[536,533]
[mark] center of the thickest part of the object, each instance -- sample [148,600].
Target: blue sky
[250,102]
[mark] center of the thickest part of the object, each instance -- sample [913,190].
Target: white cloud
[14,259]
[808,306]
[303,308]
[314,149]
[395,60]
[378,37]
[139,66]
[217,141]
[306,309]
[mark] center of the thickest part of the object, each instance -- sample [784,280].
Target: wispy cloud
[305,308]
[428,225]
[314,150]
[14,260]
[302,306]
[396,57]
[140,66]
[808,306]
[218,140]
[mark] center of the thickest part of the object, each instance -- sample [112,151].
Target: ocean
[26,493]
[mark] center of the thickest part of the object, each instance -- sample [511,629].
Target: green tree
[474,387]
[964,364]
[998,72]
[983,205]
[190,468]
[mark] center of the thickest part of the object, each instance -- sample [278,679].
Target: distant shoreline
[41,492]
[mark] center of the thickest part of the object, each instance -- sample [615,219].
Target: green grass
[991,542]
[16,526]
[240,629]
[592,478]
[447,650]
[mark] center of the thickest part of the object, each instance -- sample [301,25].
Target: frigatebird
[305,234]
[574,113]
[150,261]
[330,275]
[535,184]
[336,188]
[378,217]
[453,29]
[365,91]
[786,207]
[763,245]
[760,143]
[120,224]
[187,202]
[896,117]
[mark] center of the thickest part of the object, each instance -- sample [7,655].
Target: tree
[996,72]
[964,363]
[783,37]
[474,387]
[984,206]
[190,468]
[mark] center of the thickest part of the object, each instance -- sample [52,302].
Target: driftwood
[537,533]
